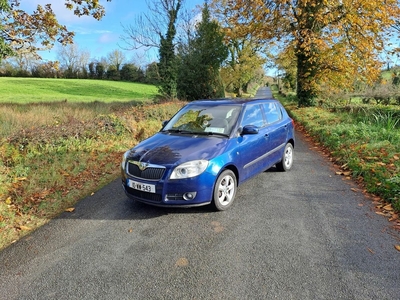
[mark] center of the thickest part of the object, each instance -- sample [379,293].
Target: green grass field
[32,90]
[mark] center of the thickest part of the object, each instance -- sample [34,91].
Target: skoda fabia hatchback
[207,150]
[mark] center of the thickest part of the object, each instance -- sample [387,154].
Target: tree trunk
[306,70]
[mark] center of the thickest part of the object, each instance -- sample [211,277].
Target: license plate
[150,188]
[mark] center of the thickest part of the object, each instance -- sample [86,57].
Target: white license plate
[150,188]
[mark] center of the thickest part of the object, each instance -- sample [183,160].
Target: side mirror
[249,129]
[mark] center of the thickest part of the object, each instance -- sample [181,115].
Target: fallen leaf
[354,190]
[339,173]
[21,178]
[130,230]
[376,198]
[380,213]
[348,173]
[396,157]
[71,209]
[22,227]
[92,194]
[397,247]
[8,200]
[394,217]
[388,207]
[371,157]
[182,262]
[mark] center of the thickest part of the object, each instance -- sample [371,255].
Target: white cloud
[86,30]
[108,38]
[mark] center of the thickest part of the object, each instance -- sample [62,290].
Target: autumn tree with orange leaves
[22,32]
[334,42]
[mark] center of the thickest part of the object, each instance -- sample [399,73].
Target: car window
[253,116]
[272,112]
[209,119]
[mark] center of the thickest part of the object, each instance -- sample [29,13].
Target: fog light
[189,196]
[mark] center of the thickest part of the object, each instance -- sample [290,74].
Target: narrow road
[304,234]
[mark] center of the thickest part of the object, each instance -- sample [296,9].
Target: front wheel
[224,190]
[287,159]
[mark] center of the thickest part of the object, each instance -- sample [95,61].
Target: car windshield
[207,120]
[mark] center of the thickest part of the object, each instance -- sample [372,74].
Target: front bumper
[171,193]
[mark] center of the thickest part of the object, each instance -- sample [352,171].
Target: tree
[246,53]
[167,66]
[285,61]
[73,60]
[112,73]
[242,66]
[22,32]
[148,28]
[334,42]
[159,29]
[5,49]
[48,69]
[116,58]
[130,72]
[200,61]
[151,74]
[22,64]
[100,70]
[92,69]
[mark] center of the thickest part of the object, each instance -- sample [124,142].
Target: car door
[276,129]
[254,148]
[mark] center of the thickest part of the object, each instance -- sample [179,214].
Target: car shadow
[111,203]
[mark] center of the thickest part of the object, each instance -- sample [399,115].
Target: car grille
[150,173]
[175,197]
[143,195]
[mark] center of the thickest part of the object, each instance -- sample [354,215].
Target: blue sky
[99,37]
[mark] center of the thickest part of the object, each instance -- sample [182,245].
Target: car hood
[165,148]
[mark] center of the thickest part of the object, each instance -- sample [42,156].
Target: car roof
[230,101]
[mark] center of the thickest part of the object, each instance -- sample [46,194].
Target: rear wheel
[287,159]
[224,190]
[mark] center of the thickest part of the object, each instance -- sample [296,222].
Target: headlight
[189,169]
[124,158]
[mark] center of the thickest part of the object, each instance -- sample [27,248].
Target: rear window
[253,116]
[272,112]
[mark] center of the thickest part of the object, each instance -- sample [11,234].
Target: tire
[224,190]
[287,159]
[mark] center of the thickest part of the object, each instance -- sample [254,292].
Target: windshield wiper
[179,131]
[208,133]
[212,133]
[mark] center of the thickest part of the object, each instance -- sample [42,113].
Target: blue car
[207,150]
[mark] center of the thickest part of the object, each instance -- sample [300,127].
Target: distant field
[30,90]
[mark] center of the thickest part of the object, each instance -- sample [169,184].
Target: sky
[104,36]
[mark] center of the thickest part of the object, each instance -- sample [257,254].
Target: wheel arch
[291,141]
[234,169]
